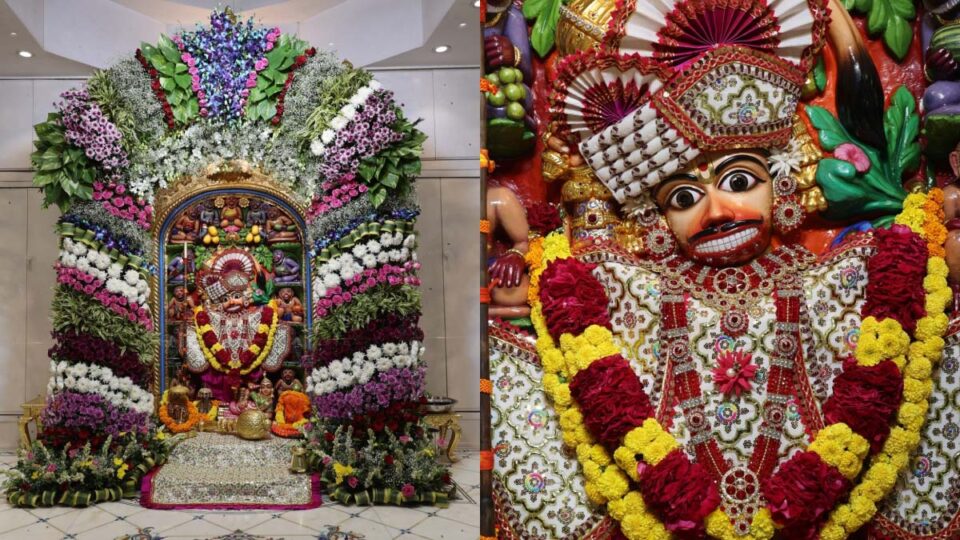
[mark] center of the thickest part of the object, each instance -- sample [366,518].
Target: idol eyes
[684,197]
[737,182]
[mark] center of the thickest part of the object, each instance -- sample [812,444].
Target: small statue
[285,269]
[180,306]
[205,400]
[264,397]
[280,228]
[177,398]
[186,228]
[208,215]
[289,306]
[288,381]
[230,215]
[256,214]
[242,403]
[180,266]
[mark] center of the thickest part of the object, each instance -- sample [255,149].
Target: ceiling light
[25,54]
[463,25]
[442,48]
[330,44]
[476,4]
[13,34]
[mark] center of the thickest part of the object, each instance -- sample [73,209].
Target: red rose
[328,436]
[865,399]
[680,493]
[275,121]
[572,298]
[388,460]
[311,51]
[260,340]
[611,399]
[203,318]
[209,339]
[543,217]
[155,85]
[223,356]
[300,60]
[895,289]
[801,494]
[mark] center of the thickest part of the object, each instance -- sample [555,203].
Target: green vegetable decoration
[508,137]
[547,15]
[892,18]
[868,182]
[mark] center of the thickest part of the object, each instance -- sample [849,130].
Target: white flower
[131,277]
[265,134]
[83,264]
[69,259]
[374,246]
[375,85]
[79,249]
[335,264]
[339,122]
[316,147]
[364,93]
[403,348]
[70,381]
[327,136]
[322,373]
[358,98]
[383,257]
[369,261]
[384,364]
[374,352]
[410,241]
[359,250]
[115,270]
[331,280]
[783,161]
[389,349]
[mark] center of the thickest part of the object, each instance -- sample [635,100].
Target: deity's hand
[940,65]
[951,212]
[499,52]
[508,269]
[558,158]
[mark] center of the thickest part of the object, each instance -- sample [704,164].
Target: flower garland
[88,349]
[157,89]
[118,278]
[193,417]
[587,380]
[361,283]
[292,407]
[249,359]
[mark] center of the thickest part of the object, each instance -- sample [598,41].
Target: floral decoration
[249,359]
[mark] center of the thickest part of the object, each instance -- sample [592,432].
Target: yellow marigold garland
[607,476]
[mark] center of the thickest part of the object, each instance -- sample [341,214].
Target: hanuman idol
[698,372]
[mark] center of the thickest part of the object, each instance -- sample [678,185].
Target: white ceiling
[71,37]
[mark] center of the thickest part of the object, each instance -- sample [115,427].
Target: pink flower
[251,83]
[352,481]
[854,155]
[734,372]
[269,46]
[120,189]
[195,72]
[404,439]
[186,57]
[408,491]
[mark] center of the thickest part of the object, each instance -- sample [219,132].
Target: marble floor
[127,520]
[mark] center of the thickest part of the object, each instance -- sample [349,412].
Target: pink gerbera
[734,372]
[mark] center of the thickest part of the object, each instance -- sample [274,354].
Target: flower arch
[231,106]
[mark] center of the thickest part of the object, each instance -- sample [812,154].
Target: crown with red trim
[231,270]
[687,77]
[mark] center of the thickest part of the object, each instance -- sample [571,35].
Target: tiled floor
[127,520]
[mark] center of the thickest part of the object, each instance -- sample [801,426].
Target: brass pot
[253,425]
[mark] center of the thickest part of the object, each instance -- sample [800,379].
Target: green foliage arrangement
[877,193]
[333,94]
[394,169]
[378,301]
[63,171]
[173,77]
[73,310]
[262,101]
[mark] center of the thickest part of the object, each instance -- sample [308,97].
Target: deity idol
[709,404]
[234,341]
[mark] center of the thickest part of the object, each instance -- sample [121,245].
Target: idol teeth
[728,243]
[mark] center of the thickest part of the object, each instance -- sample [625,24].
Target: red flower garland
[543,217]
[865,398]
[157,89]
[680,494]
[572,298]
[223,356]
[611,399]
[895,289]
[802,494]
[299,62]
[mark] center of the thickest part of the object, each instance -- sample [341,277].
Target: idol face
[720,208]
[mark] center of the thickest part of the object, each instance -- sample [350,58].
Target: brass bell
[298,463]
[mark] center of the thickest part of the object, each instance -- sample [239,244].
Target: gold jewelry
[515,251]
[517,56]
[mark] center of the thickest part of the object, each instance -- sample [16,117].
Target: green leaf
[847,4]
[181,68]
[167,84]
[378,196]
[901,126]
[390,180]
[864,6]
[175,98]
[266,110]
[877,17]
[831,132]
[533,8]
[256,95]
[183,80]
[273,90]
[165,68]
[193,107]
[820,74]
[903,8]
[169,49]
[287,62]
[544,30]
[898,35]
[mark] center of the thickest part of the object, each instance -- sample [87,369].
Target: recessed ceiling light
[476,4]
[330,44]
[25,54]
[13,34]
[463,25]
[442,48]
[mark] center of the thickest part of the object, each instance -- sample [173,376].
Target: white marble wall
[449,193]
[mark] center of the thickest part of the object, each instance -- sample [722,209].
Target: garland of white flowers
[340,121]
[363,365]
[391,248]
[128,283]
[93,379]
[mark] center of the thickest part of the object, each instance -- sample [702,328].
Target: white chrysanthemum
[403,348]
[115,271]
[374,246]
[131,277]
[358,98]
[384,364]
[339,122]
[316,147]
[68,259]
[334,265]
[103,261]
[359,250]
[331,280]
[348,111]
[383,257]
[83,264]
[374,352]
[79,249]
[364,93]
[410,241]
[327,136]
[375,85]
[344,380]
[389,349]
[370,261]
